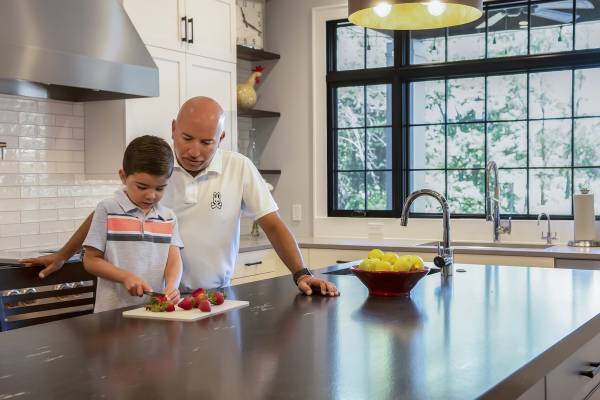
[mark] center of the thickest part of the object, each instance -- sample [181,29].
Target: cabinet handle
[184,20]
[191,21]
[592,373]
[341,262]
[253,263]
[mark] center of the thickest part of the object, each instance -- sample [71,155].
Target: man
[209,190]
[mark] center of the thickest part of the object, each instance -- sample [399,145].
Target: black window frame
[402,73]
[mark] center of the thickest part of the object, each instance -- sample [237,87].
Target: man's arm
[286,247]
[54,262]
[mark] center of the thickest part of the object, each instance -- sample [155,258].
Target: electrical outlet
[296,212]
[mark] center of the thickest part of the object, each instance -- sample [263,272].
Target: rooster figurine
[246,95]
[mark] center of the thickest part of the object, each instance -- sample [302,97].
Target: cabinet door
[153,115]
[215,79]
[158,22]
[214,26]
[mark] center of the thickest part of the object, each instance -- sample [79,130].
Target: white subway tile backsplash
[35,119]
[44,192]
[53,107]
[38,215]
[10,192]
[10,217]
[18,104]
[17,179]
[78,133]
[19,229]
[10,243]
[55,132]
[69,144]
[26,142]
[72,122]
[9,167]
[78,109]
[38,241]
[74,213]
[57,202]
[68,168]
[56,226]
[18,204]
[37,167]
[9,116]
[9,129]
[38,191]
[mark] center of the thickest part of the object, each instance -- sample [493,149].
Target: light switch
[296,212]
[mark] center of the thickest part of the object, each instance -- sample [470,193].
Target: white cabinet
[216,79]
[201,27]
[159,22]
[213,23]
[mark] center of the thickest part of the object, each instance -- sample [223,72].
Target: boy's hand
[172,294]
[136,285]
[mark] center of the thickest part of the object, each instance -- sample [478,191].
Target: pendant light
[413,14]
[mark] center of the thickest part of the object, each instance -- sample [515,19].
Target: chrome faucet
[494,214]
[549,238]
[445,257]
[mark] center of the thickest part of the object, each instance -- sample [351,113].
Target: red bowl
[387,283]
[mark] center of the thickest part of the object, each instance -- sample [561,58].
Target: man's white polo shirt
[208,209]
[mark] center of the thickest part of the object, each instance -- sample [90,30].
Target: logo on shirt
[216,201]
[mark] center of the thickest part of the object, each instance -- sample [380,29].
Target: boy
[133,243]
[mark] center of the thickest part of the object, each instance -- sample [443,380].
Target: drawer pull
[341,262]
[253,263]
[592,373]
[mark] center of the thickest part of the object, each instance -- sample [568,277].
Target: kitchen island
[491,332]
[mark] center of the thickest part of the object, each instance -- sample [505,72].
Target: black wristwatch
[299,274]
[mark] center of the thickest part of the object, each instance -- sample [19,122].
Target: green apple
[390,257]
[383,266]
[367,265]
[417,263]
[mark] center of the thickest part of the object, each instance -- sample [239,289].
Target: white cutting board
[185,315]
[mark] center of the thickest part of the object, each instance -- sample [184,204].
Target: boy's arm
[173,274]
[54,262]
[95,264]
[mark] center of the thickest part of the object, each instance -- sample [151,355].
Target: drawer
[566,381]
[254,263]
[576,264]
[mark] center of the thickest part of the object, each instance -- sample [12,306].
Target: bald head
[197,132]
[204,113]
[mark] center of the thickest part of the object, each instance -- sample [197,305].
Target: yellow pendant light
[413,14]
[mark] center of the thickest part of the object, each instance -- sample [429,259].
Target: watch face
[250,17]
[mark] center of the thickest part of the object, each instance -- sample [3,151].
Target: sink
[491,244]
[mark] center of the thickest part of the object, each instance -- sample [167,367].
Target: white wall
[44,195]
[298,144]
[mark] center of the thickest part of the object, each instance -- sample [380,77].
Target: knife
[146,292]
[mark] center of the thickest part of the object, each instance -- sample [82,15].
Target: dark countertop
[491,331]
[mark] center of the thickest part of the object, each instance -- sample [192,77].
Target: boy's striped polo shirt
[132,241]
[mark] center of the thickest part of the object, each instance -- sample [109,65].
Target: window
[429,109]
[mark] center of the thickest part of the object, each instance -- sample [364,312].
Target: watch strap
[299,274]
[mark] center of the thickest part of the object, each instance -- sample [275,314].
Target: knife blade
[149,293]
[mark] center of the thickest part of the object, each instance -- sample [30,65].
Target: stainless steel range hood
[75,50]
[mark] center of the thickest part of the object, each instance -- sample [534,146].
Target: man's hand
[172,294]
[51,262]
[136,285]
[307,283]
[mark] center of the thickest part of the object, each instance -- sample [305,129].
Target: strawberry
[216,297]
[160,304]
[196,292]
[170,307]
[187,303]
[204,305]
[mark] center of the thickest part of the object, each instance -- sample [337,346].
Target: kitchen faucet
[548,236]
[494,215]
[445,257]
